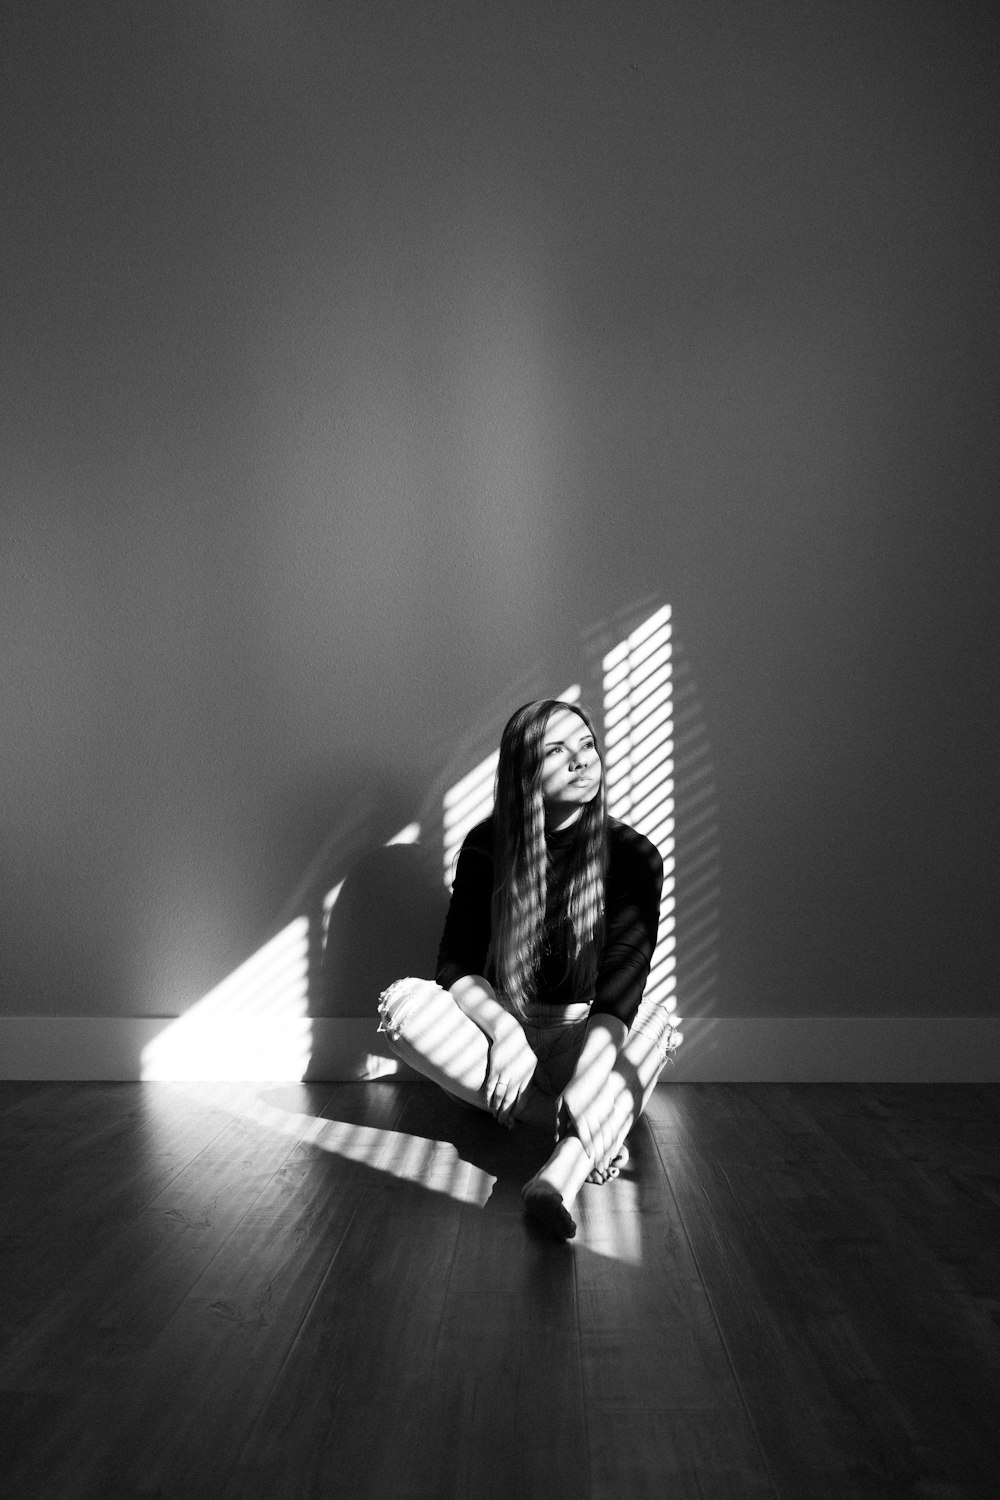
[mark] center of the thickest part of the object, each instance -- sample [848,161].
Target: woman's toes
[601,1175]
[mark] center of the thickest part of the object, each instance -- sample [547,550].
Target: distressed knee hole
[398,1004]
[661,1033]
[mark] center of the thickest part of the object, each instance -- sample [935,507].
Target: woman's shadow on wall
[384,924]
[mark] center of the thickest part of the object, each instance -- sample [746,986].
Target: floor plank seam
[292,1347]
[588,1436]
[295,1339]
[249,1292]
[737,1383]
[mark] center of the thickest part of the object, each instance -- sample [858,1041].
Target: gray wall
[362,360]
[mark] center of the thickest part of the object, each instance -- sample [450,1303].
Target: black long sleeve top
[632,888]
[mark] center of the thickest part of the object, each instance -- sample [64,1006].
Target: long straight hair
[520,866]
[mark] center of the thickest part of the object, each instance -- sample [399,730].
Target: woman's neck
[560,821]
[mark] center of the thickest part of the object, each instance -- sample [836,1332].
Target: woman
[536,1013]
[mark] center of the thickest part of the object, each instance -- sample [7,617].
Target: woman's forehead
[565,724]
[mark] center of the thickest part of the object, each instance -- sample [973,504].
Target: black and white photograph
[500,750]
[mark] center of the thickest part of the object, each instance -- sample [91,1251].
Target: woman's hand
[510,1070]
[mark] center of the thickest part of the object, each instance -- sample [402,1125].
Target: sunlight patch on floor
[608,1216]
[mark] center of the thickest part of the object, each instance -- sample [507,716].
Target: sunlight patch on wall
[466,804]
[329,902]
[254,1025]
[698,856]
[408,835]
[639,765]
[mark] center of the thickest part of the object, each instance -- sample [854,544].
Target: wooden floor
[273,1291]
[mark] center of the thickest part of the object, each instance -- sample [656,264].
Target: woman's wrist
[502,1024]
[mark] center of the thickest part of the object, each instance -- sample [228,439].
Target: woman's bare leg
[551,1193]
[549,1196]
[427,1030]
[430,1033]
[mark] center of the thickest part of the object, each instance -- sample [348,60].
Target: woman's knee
[406,1009]
[653,1034]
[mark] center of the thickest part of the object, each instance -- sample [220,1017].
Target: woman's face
[571,768]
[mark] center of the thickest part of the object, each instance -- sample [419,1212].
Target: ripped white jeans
[405,1000]
[427,1028]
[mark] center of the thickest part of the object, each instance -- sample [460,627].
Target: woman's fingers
[511,1067]
[509,1104]
[588,1139]
[501,1097]
[595,1142]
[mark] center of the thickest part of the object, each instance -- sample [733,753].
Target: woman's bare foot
[544,1204]
[549,1195]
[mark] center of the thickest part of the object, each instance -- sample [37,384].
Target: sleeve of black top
[632,914]
[466,936]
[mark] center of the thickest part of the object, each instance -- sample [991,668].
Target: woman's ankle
[566,1169]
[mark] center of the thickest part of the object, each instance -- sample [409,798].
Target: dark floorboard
[294,1292]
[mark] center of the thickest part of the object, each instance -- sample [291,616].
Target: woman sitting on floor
[536,1013]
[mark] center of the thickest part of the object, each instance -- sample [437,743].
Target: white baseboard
[724,1049]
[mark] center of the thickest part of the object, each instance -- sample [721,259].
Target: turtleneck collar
[560,838]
